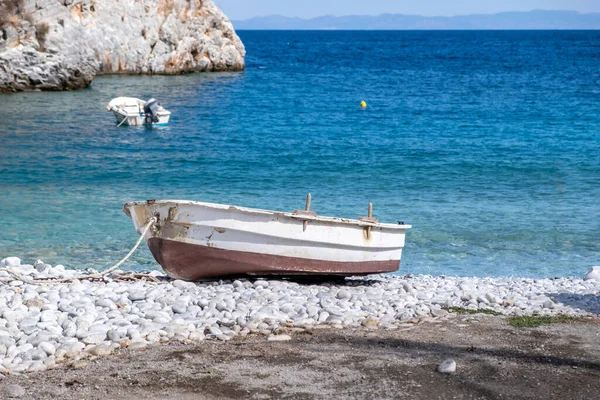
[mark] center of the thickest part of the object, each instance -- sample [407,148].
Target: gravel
[47,324]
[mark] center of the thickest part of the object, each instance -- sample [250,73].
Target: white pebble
[94,337]
[279,338]
[48,348]
[14,391]
[10,262]
[447,366]
[593,273]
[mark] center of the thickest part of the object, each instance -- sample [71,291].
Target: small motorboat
[194,241]
[136,112]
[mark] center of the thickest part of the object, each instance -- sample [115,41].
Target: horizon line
[417,15]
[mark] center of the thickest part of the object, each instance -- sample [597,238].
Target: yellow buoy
[363,104]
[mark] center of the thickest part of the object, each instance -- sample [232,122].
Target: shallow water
[488,143]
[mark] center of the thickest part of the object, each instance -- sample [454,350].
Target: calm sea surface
[488,143]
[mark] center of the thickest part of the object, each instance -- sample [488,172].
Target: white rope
[124,119]
[98,275]
[16,275]
[117,265]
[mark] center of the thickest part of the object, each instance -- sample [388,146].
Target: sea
[486,142]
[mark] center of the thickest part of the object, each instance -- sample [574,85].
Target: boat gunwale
[257,211]
[120,111]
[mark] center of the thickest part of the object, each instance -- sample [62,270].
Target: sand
[494,361]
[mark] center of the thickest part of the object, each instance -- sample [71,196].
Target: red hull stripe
[194,262]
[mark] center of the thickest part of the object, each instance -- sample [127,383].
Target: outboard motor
[151,111]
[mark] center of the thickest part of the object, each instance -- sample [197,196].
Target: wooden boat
[134,112]
[194,241]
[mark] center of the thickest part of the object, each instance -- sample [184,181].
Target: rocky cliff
[63,44]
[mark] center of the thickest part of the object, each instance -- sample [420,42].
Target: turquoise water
[488,143]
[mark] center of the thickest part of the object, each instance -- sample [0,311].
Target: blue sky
[243,9]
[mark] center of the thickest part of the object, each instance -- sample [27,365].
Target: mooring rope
[98,275]
[117,265]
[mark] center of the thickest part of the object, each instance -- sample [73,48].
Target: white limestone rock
[10,262]
[593,273]
[48,348]
[13,391]
[68,44]
[447,366]
[94,338]
[279,338]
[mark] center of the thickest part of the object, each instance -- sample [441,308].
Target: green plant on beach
[461,310]
[526,321]
[533,321]
[211,370]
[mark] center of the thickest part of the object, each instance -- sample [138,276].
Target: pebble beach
[46,324]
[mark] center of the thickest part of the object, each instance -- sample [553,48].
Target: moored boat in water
[194,240]
[134,112]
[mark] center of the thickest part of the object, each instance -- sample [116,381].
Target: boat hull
[193,241]
[195,262]
[139,119]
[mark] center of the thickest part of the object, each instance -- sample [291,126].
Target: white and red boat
[193,241]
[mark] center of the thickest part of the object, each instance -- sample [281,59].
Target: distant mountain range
[537,19]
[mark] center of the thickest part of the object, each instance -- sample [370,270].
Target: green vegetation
[211,370]
[461,310]
[263,376]
[528,321]
[533,321]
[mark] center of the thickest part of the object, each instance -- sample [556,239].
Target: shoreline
[44,325]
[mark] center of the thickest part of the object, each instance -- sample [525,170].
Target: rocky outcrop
[63,44]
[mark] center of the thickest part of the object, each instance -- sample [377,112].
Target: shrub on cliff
[9,11]
[41,30]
